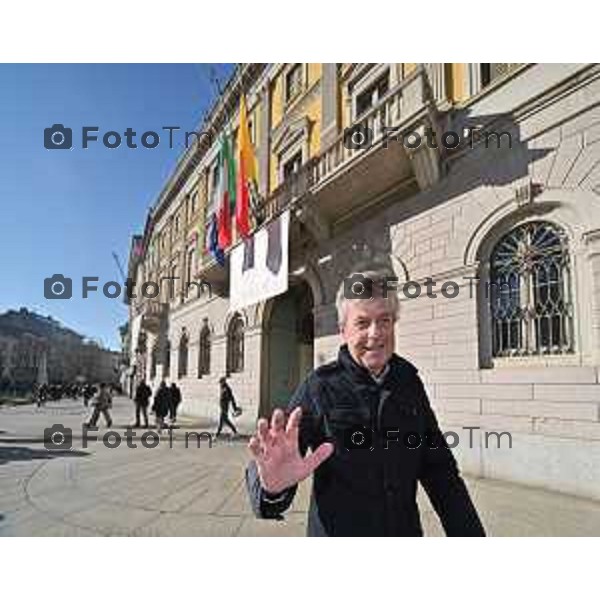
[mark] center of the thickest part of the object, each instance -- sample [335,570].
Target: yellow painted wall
[276,100]
[456,83]
[314,73]
[277,91]
[273,176]
[301,106]
[255,117]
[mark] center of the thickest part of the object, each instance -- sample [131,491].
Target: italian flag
[227,194]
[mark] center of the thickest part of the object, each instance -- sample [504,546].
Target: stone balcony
[345,178]
[153,313]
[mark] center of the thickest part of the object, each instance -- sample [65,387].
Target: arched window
[235,345]
[204,352]
[530,292]
[182,363]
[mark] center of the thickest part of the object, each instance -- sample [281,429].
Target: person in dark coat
[226,400]
[141,400]
[362,416]
[174,402]
[160,408]
[88,393]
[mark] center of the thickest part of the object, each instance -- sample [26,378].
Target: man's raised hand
[276,451]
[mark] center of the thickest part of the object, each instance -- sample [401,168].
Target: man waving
[364,427]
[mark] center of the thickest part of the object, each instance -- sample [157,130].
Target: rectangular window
[489,72]
[193,202]
[293,82]
[372,94]
[293,165]
[171,285]
[214,186]
[190,267]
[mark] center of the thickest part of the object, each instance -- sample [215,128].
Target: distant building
[36,349]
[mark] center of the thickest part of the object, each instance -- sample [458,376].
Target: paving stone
[190,492]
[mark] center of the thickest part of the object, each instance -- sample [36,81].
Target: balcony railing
[294,187]
[397,109]
[152,311]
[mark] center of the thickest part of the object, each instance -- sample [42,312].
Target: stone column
[264,145]
[330,101]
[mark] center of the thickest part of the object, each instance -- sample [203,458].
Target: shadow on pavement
[23,440]
[22,453]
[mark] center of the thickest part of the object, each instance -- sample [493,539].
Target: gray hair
[377,279]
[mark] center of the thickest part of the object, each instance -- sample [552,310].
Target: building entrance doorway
[288,346]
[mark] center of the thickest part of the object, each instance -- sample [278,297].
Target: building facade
[476,184]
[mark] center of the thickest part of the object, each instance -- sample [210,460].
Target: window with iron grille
[204,352]
[235,345]
[530,292]
[182,363]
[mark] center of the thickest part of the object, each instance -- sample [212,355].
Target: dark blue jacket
[373,492]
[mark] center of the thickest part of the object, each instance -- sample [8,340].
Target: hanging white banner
[259,266]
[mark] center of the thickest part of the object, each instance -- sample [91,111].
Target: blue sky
[66,211]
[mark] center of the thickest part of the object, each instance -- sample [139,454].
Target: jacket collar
[396,367]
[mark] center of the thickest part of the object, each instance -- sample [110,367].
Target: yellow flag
[247,179]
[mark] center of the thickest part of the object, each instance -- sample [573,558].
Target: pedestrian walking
[141,400]
[174,402]
[102,404]
[42,395]
[226,400]
[160,407]
[88,393]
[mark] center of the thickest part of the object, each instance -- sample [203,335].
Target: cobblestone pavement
[179,491]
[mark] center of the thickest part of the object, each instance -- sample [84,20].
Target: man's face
[369,332]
